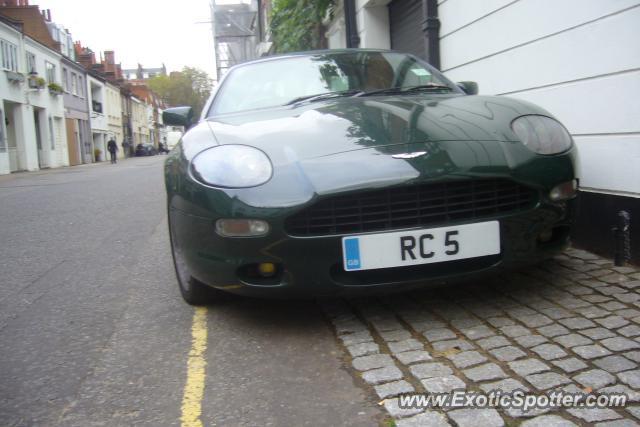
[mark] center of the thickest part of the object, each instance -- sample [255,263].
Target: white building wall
[579,59]
[60,34]
[150,124]
[114,115]
[20,104]
[54,150]
[11,100]
[98,120]
[336,31]
[162,129]
[372,22]
[139,121]
[12,91]
[25,156]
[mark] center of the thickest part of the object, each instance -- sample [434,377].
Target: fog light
[565,191]
[241,227]
[267,269]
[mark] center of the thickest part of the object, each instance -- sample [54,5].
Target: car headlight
[232,166]
[542,134]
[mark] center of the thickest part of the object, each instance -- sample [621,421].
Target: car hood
[354,143]
[345,124]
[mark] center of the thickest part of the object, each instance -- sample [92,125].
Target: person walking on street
[112,147]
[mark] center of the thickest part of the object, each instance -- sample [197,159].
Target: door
[43,150]
[85,141]
[73,142]
[405,21]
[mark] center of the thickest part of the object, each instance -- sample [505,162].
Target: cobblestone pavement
[571,323]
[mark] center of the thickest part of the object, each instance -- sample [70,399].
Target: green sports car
[356,171]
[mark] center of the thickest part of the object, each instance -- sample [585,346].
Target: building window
[70,52]
[80,87]
[96,106]
[8,56]
[74,83]
[65,80]
[31,63]
[50,72]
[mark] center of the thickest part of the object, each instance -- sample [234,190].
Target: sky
[149,32]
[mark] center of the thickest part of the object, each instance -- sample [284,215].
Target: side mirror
[470,88]
[178,116]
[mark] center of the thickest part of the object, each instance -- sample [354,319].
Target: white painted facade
[139,122]
[61,35]
[336,33]
[174,133]
[150,123]
[579,59]
[15,127]
[48,107]
[162,129]
[32,129]
[372,21]
[114,115]
[96,91]
[581,62]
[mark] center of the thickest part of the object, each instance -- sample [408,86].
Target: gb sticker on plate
[351,250]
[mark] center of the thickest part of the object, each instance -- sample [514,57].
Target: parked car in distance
[146,149]
[349,172]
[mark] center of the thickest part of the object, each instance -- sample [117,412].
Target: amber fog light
[261,274]
[267,269]
[565,191]
[241,227]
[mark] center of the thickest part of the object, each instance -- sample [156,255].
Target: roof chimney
[109,57]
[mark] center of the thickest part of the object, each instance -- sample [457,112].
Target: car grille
[411,206]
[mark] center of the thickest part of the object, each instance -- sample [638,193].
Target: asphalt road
[93,331]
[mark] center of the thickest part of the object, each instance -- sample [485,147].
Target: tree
[190,86]
[297,24]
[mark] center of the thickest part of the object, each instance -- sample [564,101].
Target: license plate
[413,247]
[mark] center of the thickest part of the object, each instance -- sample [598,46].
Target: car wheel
[192,290]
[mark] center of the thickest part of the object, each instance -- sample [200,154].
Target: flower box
[55,89]
[14,77]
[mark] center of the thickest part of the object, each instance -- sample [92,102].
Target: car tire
[192,290]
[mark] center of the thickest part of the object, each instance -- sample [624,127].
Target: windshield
[281,81]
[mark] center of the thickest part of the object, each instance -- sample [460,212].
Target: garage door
[405,19]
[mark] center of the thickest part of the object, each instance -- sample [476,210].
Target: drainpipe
[353,40]
[623,239]
[431,31]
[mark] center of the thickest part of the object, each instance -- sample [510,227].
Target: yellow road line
[194,388]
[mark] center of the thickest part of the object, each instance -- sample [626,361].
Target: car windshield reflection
[289,80]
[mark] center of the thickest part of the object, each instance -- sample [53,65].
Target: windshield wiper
[327,95]
[407,89]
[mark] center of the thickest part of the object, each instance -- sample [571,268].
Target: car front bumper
[312,266]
